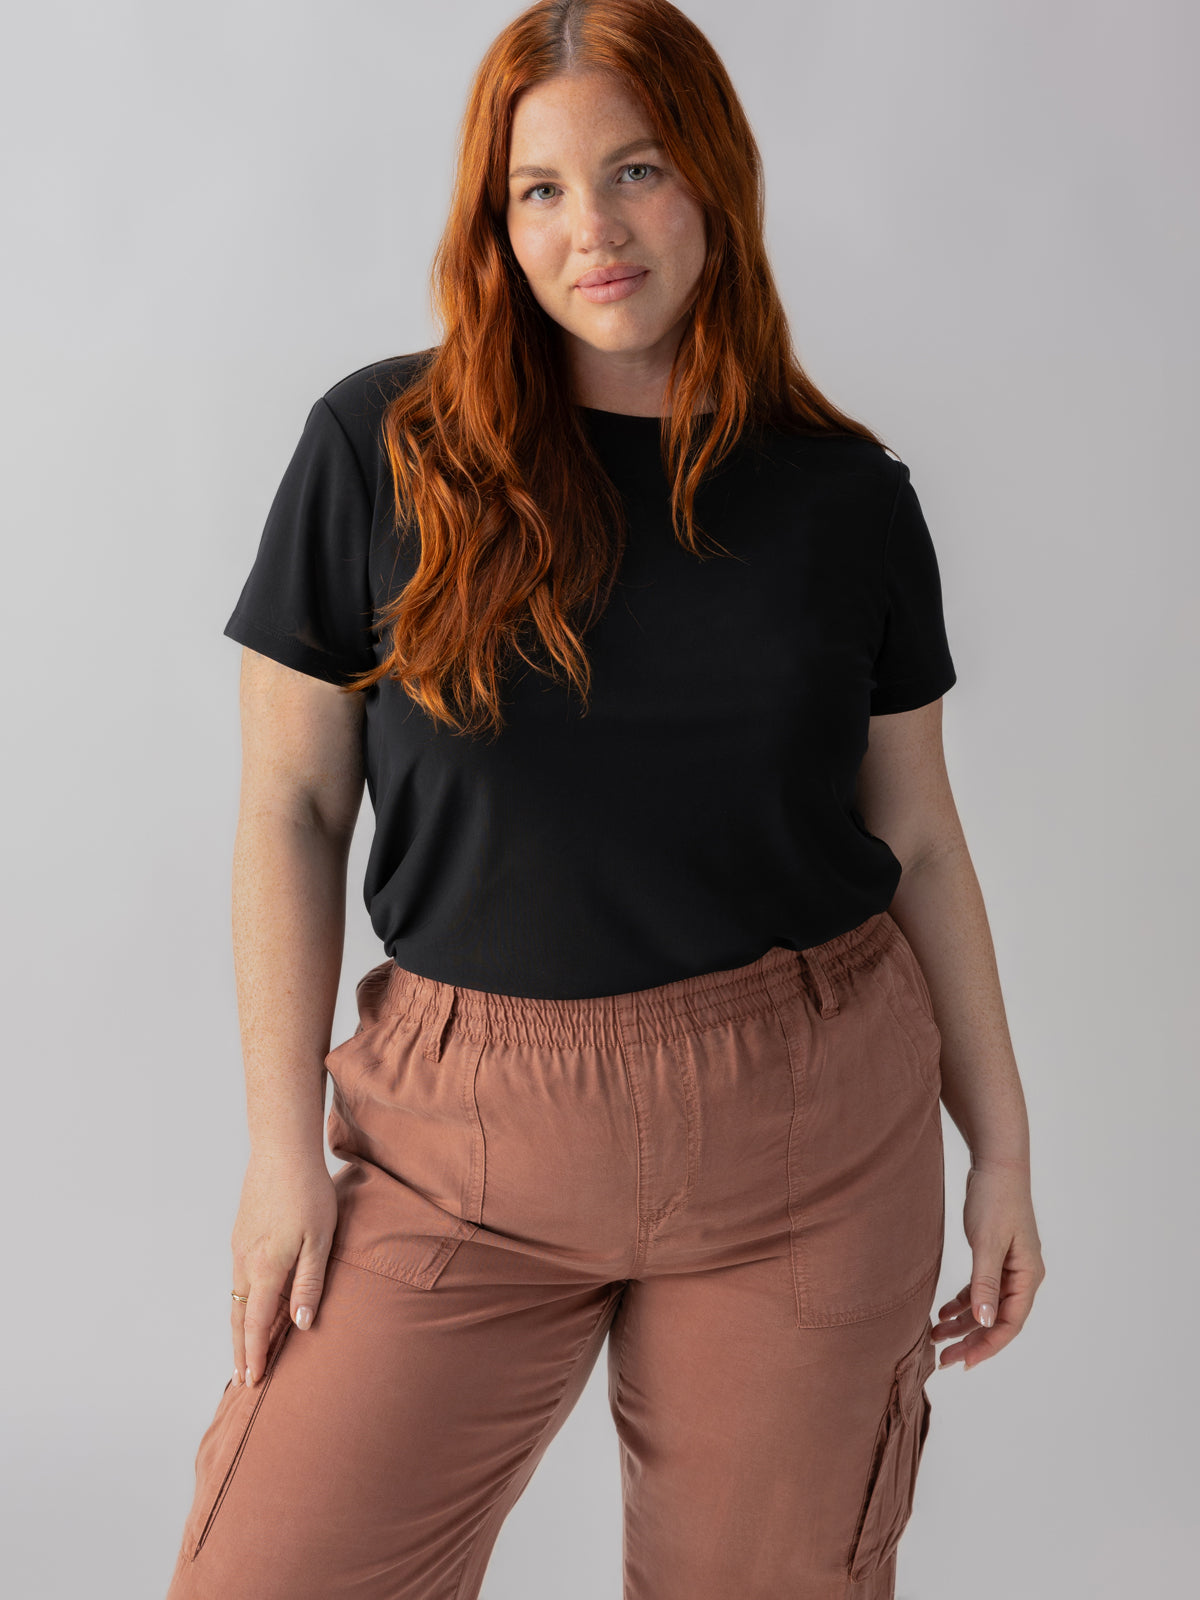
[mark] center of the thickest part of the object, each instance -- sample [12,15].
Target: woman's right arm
[301,788]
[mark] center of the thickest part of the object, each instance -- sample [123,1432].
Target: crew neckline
[628,416]
[622,416]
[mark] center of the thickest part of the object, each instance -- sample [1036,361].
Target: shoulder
[840,454]
[855,472]
[369,388]
[358,400]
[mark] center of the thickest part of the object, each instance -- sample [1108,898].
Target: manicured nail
[987,1315]
[303,1317]
[249,1378]
[236,1376]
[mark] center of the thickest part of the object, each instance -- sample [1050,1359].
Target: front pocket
[408,1129]
[920,1033]
[389,1227]
[899,975]
[225,1438]
[866,1181]
[899,1443]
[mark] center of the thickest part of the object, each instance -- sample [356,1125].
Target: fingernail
[303,1317]
[987,1315]
[249,1378]
[237,1377]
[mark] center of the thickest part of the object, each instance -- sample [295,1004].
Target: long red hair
[521,531]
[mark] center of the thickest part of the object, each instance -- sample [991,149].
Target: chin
[619,341]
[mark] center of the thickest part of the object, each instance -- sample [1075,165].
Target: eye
[633,166]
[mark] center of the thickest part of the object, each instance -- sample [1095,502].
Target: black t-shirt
[703,810]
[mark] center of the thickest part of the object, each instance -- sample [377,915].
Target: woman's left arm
[904,797]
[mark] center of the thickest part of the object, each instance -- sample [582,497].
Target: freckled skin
[596,214]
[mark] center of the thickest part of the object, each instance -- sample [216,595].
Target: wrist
[291,1129]
[1000,1161]
[297,1152]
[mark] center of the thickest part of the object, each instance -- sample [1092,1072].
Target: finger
[261,1310]
[968,1352]
[982,1345]
[237,1327]
[949,1327]
[975,1346]
[986,1269]
[308,1282]
[960,1302]
[983,1342]
[1016,1302]
[955,1316]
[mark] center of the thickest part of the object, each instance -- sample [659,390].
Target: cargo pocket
[888,1500]
[225,1438]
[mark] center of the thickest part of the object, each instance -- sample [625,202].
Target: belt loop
[436,1032]
[829,1000]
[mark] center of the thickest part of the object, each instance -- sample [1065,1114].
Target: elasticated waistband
[687,1005]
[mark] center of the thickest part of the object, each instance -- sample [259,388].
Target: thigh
[762,1460]
[772,1410]
[388,1439]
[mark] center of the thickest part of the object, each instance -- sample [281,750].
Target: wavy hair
[521,530]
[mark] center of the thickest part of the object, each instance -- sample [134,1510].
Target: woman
[638,644]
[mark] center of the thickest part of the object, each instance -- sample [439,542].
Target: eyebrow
[615,155]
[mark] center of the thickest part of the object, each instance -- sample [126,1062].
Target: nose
[596,226]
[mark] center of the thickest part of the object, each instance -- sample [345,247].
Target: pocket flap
[390,1227]
[914,1369]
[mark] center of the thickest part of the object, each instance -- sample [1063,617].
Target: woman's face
[602,194]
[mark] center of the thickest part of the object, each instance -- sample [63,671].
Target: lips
[592,280]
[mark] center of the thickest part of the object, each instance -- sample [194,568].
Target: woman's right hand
[281,1243]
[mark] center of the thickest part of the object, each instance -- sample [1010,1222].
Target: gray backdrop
[982,219]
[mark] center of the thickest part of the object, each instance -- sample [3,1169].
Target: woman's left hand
[1006,1268]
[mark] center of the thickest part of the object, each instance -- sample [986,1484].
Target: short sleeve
[913,664]
[307,600]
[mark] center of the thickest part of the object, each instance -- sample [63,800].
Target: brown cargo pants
[736,1179]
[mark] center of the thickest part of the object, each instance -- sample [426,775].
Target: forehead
[586,116]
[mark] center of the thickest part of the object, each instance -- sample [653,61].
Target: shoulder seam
[349,443]
[902,475]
